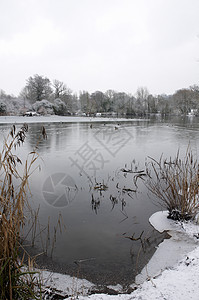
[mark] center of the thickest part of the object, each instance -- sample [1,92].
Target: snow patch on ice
[71,286]
[170,251]
[180,282]
[161,223]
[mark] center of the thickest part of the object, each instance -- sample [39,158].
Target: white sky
[100,44]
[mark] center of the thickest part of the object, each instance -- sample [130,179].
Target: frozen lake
[81,179]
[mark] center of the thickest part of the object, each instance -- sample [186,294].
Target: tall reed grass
[15,281]
[175,184]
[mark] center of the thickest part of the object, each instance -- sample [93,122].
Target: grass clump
[16,282]
[175,184]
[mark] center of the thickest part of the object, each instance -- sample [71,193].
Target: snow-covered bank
[180,282]
[170,251]
[61,119]
[65,284]
[171,274]
[173,271]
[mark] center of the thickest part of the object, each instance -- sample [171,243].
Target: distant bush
[43,107]
[13,106]
[2,108]
[59,107]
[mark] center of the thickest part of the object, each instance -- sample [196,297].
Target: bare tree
[120,102]
[165,104]
[142,95]
[60,88]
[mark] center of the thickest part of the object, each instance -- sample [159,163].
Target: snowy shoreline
[171,273]
[63,119]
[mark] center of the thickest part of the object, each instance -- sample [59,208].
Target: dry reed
[175,184]
[15,283]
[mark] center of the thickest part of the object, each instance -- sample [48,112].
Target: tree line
[44,96]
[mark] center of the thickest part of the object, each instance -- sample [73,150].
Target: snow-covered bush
[14,106]
[59,107]
[43,107]
[2,107]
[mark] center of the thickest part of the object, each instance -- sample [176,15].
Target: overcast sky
[100,44]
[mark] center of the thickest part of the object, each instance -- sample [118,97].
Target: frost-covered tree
[165,104]
[2,107]
[85,101]
[13,106]
[59,107]
[152,104]
[194,89]
[61,91]
[97,99]
[142,95]
[121,102]
[183,100]
[2,94]
[110,94]
[37,88]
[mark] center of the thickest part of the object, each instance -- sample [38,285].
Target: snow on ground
[65,283]
[180,282]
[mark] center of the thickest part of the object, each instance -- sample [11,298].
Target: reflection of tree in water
[144,246]
[34,137]
[63,135]
[114,201]
[57,136]
[95,204]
